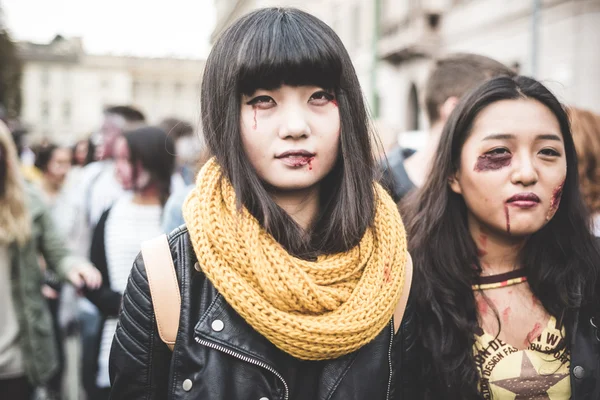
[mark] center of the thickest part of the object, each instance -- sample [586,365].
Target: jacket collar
[238,336]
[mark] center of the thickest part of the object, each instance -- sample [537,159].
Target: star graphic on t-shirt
[530,384]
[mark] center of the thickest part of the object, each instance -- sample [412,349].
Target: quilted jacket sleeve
[139,360]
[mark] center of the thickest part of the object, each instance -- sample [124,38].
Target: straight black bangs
[288,49]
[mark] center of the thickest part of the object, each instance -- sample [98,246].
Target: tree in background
[10,73]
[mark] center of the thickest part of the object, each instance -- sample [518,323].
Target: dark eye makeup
[322,95]
[550,152]
[260,99]
[499,151]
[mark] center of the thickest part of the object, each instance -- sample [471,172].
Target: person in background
[506,290]
[82,155]
[83,152]
[54,162]
[96,191]
[187,147]
[172,217]
[451,77]
[99,187]
[28,357]
[26,155]
[586,135]
[144,162]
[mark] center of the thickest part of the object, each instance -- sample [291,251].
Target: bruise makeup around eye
[492,162]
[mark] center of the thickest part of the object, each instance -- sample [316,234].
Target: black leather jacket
[232,363]
[585,357]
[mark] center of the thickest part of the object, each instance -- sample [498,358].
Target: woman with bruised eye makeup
[506,269]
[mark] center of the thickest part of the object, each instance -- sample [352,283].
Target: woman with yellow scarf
[292,266]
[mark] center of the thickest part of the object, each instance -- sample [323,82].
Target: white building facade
[392,43]
[65,90]
[564,56]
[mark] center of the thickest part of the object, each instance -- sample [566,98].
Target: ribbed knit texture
[312,310]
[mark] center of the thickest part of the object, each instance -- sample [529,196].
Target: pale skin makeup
[57,170]
[134,178]
[512,169]
[291,137]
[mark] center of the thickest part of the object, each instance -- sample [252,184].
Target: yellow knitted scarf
[312,310]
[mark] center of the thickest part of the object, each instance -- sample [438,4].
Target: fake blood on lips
[298,158]
[297,161]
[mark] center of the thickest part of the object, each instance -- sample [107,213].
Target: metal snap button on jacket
[579,372]
[197,267]
[264,398]
[217,325]
[187,385]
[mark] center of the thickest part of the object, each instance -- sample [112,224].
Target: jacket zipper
[390,361]
[249,360]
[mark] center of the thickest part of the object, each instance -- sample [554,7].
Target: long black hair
[155,150]
[266,49]
[561,259]
[43,156]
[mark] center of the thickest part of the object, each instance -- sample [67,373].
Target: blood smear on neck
[506,314]
[482,306]
[535,333]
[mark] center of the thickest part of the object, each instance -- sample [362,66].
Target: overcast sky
[137,27]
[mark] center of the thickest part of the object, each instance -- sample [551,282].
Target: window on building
[136,88]
[356,27]
[45,78]
[67,75]
[66,111]
[178,86]
[335,18]
[45,110]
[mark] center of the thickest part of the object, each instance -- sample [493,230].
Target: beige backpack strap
[164,289]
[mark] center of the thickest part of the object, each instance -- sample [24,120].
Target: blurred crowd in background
[109,190]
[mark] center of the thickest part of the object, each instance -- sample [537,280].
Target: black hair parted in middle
[287,53]
[265,50]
